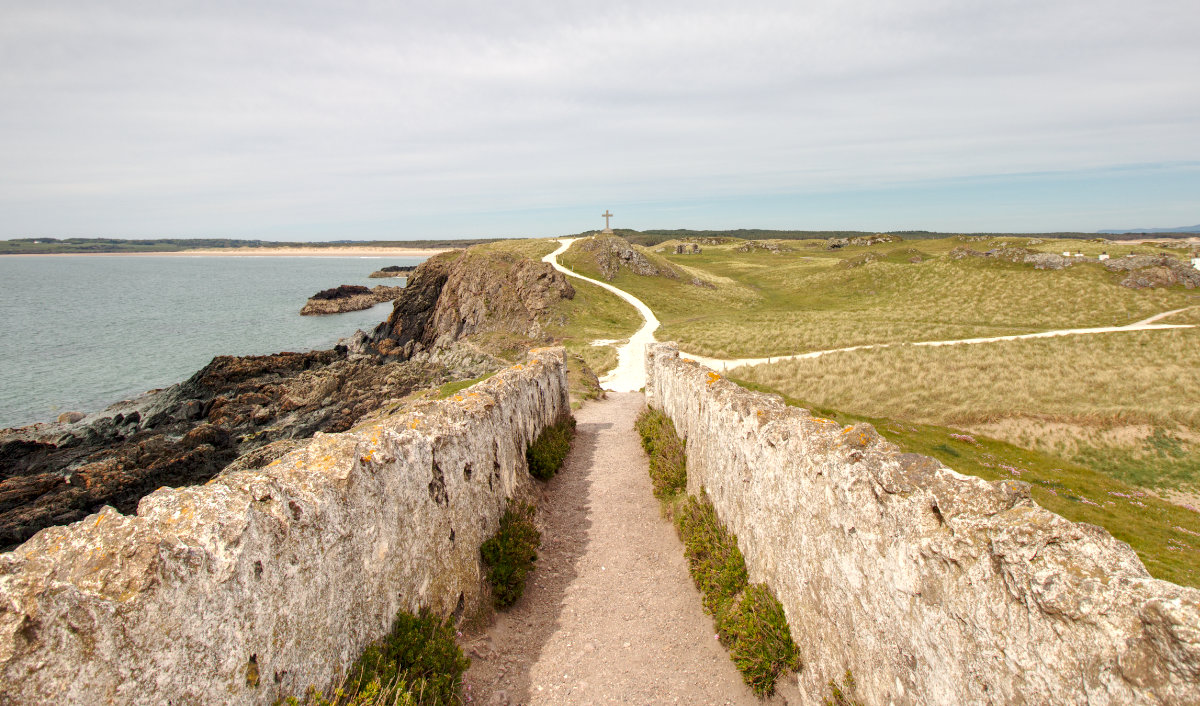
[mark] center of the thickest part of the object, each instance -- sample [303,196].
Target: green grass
[418,663]
[843,694]
[510,554]
[547,453]
[767,304]
[749,619]
[451,388]
[1165,536]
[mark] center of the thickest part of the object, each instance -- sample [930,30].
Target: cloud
[224,119]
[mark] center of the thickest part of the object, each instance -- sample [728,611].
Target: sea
[78,333]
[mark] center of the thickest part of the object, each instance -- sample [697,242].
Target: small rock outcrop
[1150,271]
[764,245]
[613,253]
[1039,260]
[348,297]
[466,293]
[861,240]
[393,271]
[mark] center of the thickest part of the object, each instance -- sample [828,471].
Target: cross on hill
[607,216]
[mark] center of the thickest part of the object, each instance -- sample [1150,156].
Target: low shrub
[417,664]
[509,555]
[749,619]
[668,460]
[546,454]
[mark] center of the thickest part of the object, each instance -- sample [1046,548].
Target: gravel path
[630,373]
[611,615]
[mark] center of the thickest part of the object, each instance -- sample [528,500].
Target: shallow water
[82,332]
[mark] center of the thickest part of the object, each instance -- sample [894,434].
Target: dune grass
[1122,403]
[1165,536]
[808,299]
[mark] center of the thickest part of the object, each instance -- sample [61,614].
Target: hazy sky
[325,120]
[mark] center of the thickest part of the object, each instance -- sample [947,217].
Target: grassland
[808,298]
[1122,403]
[1165,536]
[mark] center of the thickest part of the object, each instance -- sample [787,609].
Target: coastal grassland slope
[799,299]
[1123,403]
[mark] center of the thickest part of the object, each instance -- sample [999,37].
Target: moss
[547,453]
[510,554]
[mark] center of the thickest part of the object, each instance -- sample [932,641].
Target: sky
[306,120]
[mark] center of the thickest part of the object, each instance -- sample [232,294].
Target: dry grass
[1123,403]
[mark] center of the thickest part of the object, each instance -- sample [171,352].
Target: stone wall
[264,582]
[931,586]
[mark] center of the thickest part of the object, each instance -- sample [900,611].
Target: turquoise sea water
[83,332]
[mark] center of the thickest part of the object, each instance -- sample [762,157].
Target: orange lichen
[712,377]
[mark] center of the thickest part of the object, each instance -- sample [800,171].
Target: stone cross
[607,216]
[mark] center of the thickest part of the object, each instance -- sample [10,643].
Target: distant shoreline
[259,252]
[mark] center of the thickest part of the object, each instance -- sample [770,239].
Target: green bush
[713,557]
[546,454]
[509,555]
[417,664]
[668,460]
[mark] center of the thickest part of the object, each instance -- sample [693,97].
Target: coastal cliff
[348,297]
[460,308]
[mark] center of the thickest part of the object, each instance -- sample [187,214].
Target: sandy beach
[326,251]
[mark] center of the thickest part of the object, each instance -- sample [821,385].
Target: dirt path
[630,373]
[611,615]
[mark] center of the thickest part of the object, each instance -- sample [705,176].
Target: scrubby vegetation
[749,619]
[668,460]
[343,291]
[510,554]
[547,453]
[1165,536]
[417,664]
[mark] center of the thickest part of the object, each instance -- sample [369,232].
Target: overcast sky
[305,120]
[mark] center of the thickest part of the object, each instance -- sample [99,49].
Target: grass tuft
[843,694]
[547,453]
[418,663]
[509,555]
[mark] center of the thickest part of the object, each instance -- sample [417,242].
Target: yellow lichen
[713,377]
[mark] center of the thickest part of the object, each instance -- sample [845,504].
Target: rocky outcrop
[1039,260]
[463,294]
[348,297]
[861,240]
[763,245]
[1149,271]
[932,587]
[613,253]
[264,582]
[393,271]
[52,474]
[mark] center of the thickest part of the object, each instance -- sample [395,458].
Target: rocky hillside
[246,411]
[348,297]
[465,295]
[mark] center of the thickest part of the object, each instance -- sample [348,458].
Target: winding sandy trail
[610,614]
[630,373]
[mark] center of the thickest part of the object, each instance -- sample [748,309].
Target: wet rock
[348,297]
[70,417]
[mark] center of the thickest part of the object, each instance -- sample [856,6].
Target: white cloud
[225,119]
